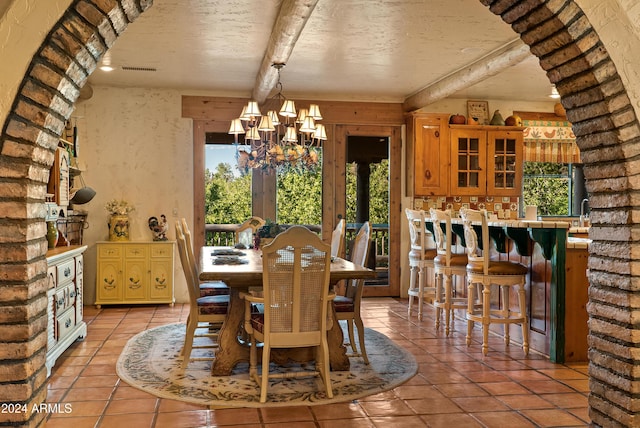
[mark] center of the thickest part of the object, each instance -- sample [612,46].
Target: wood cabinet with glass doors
[486,160]
[428,132]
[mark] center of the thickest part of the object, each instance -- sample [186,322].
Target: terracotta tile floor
[455,385]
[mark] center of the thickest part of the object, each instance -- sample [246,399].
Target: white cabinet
[64,301]
[134,272]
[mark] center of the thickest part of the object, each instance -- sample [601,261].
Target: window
[549,186]
[299,196]
[227,192]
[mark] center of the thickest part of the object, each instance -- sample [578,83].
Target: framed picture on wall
[478,110]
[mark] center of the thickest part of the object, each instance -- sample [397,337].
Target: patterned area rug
[150,361]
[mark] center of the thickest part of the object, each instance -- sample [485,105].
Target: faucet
[584,218]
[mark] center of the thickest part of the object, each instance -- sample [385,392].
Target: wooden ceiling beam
[487,66]
[289,24]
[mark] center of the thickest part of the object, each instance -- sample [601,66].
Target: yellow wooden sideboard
[134,272]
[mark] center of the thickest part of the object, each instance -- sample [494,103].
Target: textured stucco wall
[135,146]
[618,25]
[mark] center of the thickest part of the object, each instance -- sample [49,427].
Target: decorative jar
[119,227]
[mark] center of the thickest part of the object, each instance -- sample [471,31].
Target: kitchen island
[557,286]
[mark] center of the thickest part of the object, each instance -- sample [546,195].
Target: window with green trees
[227,196]
[299,195]
[378,193]
[547,185]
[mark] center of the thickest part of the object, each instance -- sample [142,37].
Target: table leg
[230,351]
[338,359]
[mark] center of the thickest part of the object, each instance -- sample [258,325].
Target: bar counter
[557,286]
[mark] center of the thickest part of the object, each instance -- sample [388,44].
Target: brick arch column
[45,99]
[607,132]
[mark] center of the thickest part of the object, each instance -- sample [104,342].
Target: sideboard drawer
[66,322]
[66,272]
[109,251]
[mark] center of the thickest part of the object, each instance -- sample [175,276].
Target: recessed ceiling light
[106,68]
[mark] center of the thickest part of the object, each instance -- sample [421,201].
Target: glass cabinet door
[505,159]
[468,162]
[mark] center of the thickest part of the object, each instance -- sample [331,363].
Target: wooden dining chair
[337,238]
[208,310]
[295,297]
[347,306]
[503,274]
[244,233]
[207,288]
[420,261]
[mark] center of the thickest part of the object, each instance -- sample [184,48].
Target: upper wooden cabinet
[486,160]
[429,136]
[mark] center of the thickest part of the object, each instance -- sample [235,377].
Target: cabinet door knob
[427,174]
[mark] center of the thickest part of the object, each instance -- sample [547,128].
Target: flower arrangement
[118,207]
[270,229]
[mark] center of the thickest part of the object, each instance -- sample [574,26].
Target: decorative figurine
[159,227]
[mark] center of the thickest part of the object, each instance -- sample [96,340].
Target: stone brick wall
[606,127]
[29,137]
[558,33]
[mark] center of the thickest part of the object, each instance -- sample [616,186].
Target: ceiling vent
[127,68]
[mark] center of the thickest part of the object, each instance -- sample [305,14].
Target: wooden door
[334,193]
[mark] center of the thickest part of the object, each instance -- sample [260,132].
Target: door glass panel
[227,189]
[473,179]
[462,179]
[462,162]
[299,196]
[367,199]
[474,162]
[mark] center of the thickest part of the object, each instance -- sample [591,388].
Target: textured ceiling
[384,50]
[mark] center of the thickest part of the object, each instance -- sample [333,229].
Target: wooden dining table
[246,274]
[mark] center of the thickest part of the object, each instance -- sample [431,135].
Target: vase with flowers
[118,219]
[266,233]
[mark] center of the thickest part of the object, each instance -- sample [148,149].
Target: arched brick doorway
[557,32]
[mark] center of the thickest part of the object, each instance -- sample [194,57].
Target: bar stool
[447,264]
[504,274]
[420,260]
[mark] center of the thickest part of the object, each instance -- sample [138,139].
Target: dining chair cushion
[456,259]
[343,304]
[214,288]
[499,268]
[429,254]
[257,321]
[216,305]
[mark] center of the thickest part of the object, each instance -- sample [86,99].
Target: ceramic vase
[497,119]
[52,234]
[119,228]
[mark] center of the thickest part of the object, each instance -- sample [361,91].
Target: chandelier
[287,140]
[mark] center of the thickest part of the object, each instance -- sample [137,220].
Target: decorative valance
[549,141]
